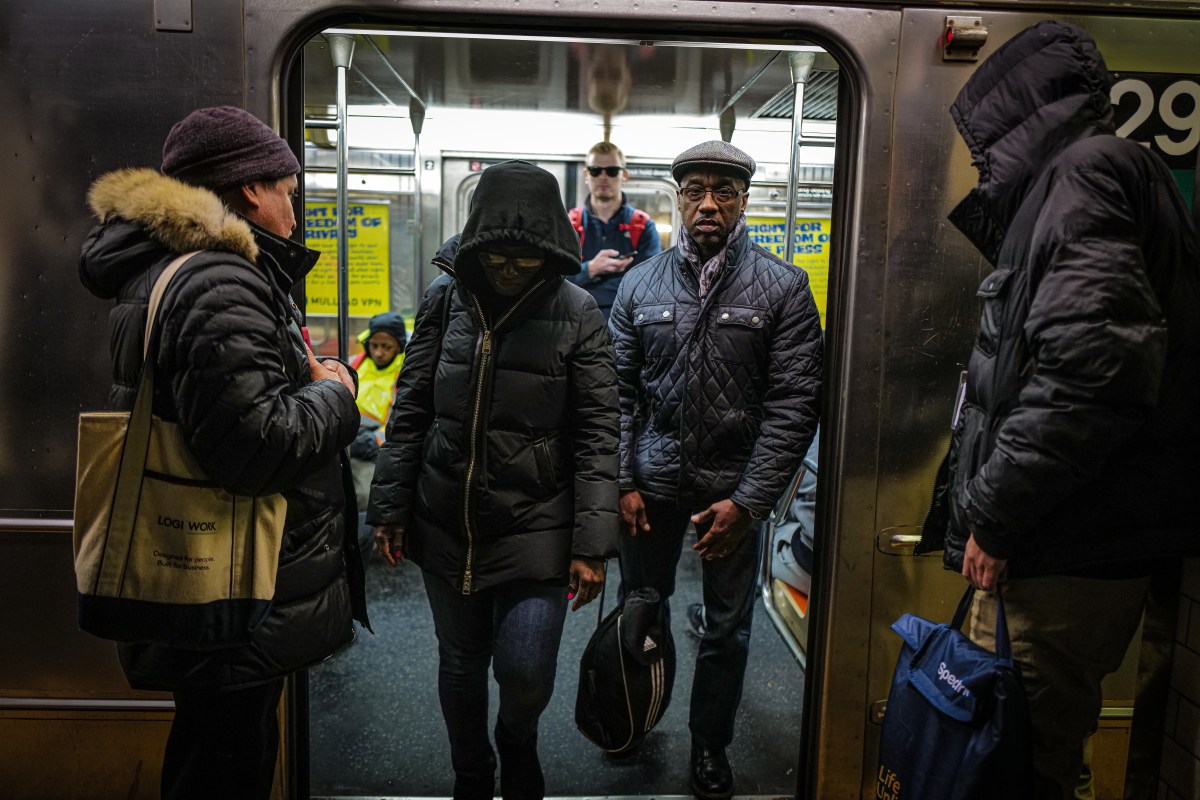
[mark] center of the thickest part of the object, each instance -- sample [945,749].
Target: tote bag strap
[1003,643]
[156,295]
[137,441]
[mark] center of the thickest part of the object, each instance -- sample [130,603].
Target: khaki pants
[1067,633]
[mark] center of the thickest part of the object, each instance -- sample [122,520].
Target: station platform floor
[376,727]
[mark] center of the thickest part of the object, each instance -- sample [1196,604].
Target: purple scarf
[707,271]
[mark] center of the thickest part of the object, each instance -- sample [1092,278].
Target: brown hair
[607,149]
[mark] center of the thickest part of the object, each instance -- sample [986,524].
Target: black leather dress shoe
[712,779]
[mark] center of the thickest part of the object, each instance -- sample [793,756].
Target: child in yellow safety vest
[378,367]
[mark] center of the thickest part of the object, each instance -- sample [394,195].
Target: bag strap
[603,592]
[637,224]
[133,453]
[1003,643]
[156,295]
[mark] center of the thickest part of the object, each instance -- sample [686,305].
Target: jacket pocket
[972,450]
[994,291]
[739,334]
[547,480]
[655,326]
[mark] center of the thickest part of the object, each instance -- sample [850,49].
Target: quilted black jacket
[501,451]
[1079,443]
[235,376]
[719,398]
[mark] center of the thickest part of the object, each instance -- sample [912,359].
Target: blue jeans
[651,559]
[517,629]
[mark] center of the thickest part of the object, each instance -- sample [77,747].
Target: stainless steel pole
[416,116]
[800,64]
[341,49]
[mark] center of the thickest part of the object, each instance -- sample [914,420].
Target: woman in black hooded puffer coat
[498,476]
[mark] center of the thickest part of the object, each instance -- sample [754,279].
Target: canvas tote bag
[163,554]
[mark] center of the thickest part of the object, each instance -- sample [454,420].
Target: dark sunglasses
[499,261]
[611,172]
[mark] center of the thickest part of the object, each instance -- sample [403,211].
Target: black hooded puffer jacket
[719,397]
[232,370]
[501,449]
[1077,446]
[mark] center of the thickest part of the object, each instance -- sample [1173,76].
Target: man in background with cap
[258,413]
[718,348]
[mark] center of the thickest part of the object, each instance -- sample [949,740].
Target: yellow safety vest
[377,388]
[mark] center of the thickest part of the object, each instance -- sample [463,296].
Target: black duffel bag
[626,673]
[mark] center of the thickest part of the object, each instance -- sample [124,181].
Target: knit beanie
[222,147]
[387,322]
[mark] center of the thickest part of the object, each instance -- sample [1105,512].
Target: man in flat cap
[256,409]
[718,348]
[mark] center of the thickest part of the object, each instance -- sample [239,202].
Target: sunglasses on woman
[499,261]
[611,172]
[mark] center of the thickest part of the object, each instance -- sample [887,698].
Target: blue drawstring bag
[956,725]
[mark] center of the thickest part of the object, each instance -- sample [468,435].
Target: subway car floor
[376,728]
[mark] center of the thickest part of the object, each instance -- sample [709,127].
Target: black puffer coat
[719,398]
[1079,442]
[501,454]
[233,372]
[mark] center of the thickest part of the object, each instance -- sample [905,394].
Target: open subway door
[484,98]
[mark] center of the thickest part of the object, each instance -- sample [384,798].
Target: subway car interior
[423,116]
[394,109]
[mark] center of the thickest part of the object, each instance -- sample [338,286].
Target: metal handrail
[37,525]
[82,704]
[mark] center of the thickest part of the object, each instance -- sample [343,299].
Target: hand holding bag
[162,553]
[956,726]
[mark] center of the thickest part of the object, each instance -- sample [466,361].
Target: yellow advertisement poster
[367,235]
[811,250]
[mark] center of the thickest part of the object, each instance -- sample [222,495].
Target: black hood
[1044,89]
[516,201]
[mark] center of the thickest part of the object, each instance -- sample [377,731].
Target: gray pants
[1067,633]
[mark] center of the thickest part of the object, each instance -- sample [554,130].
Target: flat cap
[716,155]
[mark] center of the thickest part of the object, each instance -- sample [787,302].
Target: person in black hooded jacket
[258,413]
[1077,442]
[498,476]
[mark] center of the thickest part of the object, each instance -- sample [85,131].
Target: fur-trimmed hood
[146,217]
[181,216]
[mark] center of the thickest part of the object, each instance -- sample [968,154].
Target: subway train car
[394,107]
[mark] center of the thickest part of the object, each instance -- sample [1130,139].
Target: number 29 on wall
[1161,112]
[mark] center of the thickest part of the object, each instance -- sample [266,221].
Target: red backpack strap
[637,224]
[576,217]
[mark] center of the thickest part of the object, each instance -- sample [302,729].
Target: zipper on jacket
[485,357]
[486,354]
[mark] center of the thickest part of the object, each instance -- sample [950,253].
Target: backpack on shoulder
[626,673]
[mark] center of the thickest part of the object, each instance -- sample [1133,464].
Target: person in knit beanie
[237,156]
[223,147]
[256,410]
